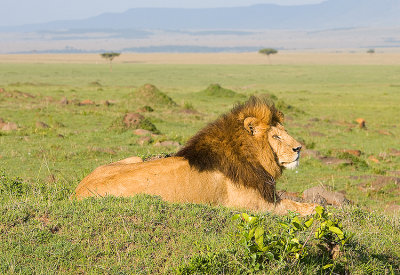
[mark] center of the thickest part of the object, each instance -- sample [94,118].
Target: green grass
[43,232]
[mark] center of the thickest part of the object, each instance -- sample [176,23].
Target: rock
[130,160]
[142,132]
[167,143]
[9,126]
[356,153]
[319,194]
[361,123]
[132,119]
[144,140]
[373,158]
[41,125]
[289,195]
[86,102]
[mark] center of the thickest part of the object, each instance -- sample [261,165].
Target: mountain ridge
[326,15]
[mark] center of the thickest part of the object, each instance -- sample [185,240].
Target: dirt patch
[15,94]
[334,161]
[343,123]
[86,102]
[394,173]
[373,159]
[384,132]
[377,183]
[149,93]
[138,121]
[316,134]
[41,125]
[8,126]
[325,159]
[353,152]
[394,152]
[132,119]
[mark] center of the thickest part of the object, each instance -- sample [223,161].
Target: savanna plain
[60,120]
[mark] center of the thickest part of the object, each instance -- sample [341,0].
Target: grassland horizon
[250,58]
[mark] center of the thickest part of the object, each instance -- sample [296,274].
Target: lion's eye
[276,137]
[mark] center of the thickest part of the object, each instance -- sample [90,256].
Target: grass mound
[216,90]
[150,94]
[281,104]
[120,124]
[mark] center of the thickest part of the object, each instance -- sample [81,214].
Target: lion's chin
[291,165]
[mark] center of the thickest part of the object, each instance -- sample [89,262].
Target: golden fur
[233,161]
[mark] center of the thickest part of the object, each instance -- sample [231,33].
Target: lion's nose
[297,149]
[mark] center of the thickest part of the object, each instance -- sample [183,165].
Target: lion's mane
[224,145]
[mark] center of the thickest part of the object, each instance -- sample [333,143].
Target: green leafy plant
[263,246]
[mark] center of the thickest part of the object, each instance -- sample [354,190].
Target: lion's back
[171,178]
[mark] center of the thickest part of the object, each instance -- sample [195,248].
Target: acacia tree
[371,51]
[268,52]
[110,56]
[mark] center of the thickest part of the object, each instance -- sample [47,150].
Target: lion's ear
[280,117]
[254,126]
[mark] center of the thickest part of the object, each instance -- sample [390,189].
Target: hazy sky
[18,12]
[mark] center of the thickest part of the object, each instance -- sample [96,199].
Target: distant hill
[326,15]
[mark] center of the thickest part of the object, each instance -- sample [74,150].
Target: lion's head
[249,145]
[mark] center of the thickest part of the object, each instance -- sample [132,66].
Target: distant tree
[110,56]
[268,52]
[371,51]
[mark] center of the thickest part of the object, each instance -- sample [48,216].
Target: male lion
[233,161]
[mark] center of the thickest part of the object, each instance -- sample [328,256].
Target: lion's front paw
[307,209]
[304,209]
